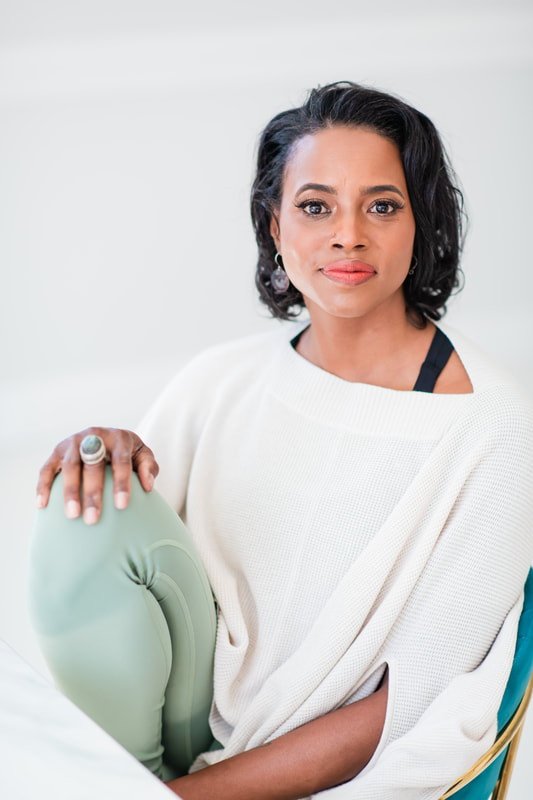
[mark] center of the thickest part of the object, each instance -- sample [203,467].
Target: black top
[437,357]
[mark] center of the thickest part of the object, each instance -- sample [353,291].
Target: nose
[350,232]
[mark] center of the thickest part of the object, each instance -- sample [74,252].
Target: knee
[79,571]
[60,544]
[71,565]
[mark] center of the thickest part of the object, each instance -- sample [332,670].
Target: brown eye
[313,208]
[384,208]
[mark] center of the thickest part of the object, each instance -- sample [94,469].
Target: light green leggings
[126,621]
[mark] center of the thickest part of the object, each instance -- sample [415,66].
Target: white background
[127,138]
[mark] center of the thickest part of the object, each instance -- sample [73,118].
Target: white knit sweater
[344,527]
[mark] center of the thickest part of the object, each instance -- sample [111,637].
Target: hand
[125,451]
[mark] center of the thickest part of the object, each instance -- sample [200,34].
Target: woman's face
[345,227]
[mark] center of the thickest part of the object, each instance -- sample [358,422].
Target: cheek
[301,243]
[403,241]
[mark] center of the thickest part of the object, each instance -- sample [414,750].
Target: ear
[274,229]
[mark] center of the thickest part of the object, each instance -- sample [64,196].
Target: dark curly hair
[436,201]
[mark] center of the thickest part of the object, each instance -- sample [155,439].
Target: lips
[351,273]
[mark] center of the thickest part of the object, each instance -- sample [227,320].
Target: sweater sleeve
[173,423]
[451,660]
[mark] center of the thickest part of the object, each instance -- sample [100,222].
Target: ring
[92,450]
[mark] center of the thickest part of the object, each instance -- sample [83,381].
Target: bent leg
[126,621]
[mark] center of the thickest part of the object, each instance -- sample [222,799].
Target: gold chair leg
[502,787]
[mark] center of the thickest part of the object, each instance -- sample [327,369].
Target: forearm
[323,753]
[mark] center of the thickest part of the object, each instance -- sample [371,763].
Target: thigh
[126,620]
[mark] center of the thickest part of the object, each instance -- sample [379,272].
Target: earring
[414,265]
[279,280]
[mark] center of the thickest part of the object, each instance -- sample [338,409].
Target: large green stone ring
[92,450]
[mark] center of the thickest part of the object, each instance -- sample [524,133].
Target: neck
[382,349]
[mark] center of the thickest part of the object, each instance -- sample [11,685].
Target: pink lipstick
[349,273]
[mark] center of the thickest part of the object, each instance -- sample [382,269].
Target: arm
[323,753]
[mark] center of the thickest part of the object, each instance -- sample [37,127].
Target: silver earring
[414,264]
[279,280]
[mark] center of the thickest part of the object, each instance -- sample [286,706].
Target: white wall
[127,133]
[126,156]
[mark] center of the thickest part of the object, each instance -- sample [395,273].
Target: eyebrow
[382,187]
[322,187]
[316,187]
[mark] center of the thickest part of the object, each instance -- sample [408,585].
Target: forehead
[339,154]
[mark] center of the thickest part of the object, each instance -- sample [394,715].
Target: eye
[384,208]
[313,208]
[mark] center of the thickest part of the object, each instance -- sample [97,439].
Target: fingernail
[39,501]
[90,516]
[121,500]
[72,509]
[150,482]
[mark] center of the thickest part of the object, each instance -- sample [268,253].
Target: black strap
[296,339]
[438,356]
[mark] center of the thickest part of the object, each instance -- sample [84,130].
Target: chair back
[482,787]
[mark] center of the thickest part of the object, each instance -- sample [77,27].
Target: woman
[358,495]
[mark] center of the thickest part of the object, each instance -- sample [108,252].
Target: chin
[355,304]
[347,310]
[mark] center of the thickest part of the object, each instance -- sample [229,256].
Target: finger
[146,466]
[47,474]
[121,464]
[93,478]
[71,469]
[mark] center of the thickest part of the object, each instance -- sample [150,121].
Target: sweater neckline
[296,338]
[452,335]
[316,394]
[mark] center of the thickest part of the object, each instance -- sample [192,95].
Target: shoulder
[234,350]
[219,371]
[247,353]
[499,403]
[225,364]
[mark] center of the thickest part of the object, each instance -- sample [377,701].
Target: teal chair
[489,778]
